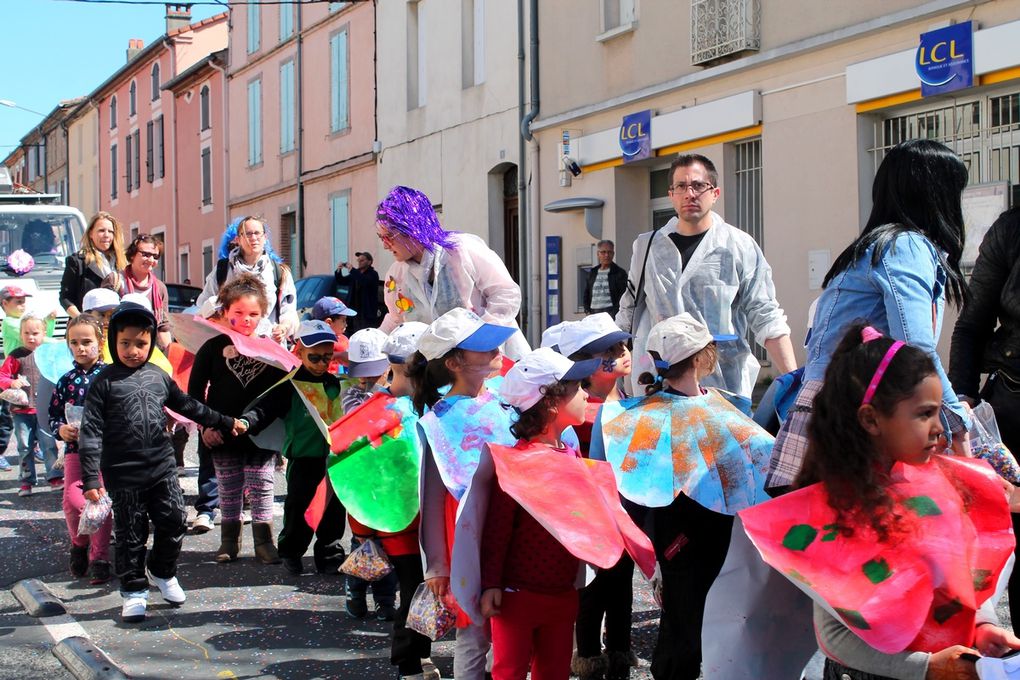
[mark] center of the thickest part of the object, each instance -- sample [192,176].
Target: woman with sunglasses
[139,277]
[438,270]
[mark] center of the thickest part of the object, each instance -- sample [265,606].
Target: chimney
[178,15]
[135,46]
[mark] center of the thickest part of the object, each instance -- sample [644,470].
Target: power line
[219,3]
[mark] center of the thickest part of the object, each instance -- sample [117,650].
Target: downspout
[173,163]
[226,145]
[67,160]
[531,268]
[299,217]
[522,176]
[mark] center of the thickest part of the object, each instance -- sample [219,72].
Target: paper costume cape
[193,331]
[662,445]
[918,590]
[54,359]
[373,467]
[456,428]
[313,395]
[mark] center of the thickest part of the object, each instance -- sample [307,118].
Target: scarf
[131,285]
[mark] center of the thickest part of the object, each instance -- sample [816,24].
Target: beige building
[40,163]
[796,101]
[83,159]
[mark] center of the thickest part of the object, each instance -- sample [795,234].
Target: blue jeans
[208,488]
[6,426]
[28,433]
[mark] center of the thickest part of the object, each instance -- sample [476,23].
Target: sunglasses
[319,358]
[149,256]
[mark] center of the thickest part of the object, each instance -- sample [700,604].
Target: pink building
[137,163]
[302,135]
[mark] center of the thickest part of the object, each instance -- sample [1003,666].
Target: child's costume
[28,430]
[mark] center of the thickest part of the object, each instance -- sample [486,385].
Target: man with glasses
[606,283]
[699,264]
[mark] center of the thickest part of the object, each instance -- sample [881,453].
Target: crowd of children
[402,429]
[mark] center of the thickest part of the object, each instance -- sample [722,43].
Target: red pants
[535,632]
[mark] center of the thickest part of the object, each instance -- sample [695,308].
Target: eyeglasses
[319,358]
[251,235]
[699,187]
[388,238]
[148,255]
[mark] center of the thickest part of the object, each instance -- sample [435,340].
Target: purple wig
[409,212]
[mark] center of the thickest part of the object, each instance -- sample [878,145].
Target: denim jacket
[902,296]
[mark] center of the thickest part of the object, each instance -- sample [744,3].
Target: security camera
[571,165]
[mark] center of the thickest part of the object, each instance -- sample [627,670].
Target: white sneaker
[202,524]
[429,670]
[133,608]
[416,676]
[170,589]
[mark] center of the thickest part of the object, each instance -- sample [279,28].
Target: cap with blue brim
[462,329]
[680,337]
[594,334]
[522,385]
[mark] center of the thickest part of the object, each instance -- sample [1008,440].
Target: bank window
[747,204]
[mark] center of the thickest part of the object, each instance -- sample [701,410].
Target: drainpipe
[522,175]
[67,160]
[226,146]
[173,163]
[530,266]
[299,217]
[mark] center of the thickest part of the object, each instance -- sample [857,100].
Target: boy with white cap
[306,448]
[101,302]
[368,366]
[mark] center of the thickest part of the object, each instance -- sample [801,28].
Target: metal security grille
[721,28]
[748,178]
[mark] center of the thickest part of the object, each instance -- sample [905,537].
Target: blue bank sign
[945,59]
[636,136]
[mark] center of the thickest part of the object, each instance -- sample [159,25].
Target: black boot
[620,664]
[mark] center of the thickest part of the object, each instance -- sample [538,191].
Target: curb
[86,661]
[37,599]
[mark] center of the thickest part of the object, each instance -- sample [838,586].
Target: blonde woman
[101,253]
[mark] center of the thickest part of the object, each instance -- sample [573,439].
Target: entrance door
[511,225]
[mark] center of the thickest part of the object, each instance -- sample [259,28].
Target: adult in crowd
[606,283]
[139,277]
[101,253]
[896,276]
[245,249]
[986,339]
[438,270]
[363,291]
[699,264]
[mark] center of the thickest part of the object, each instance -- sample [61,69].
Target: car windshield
[48,237]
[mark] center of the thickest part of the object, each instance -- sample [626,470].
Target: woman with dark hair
[138,277]
[896,276]
[101,252]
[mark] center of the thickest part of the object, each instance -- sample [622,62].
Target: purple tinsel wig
[409,212]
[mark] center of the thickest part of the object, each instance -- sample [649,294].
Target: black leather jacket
[978,346]
[617,285]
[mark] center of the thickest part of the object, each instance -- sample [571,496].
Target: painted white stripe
[62,627]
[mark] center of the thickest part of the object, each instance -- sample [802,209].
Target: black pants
[409,646]
[133,508]
[837,671]
[384,591]
[691,544]
[611,593]
[303,477]
[1004,396]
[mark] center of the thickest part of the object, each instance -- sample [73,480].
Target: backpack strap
[639,292]
[222,267]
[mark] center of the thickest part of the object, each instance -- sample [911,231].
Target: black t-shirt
[686,244]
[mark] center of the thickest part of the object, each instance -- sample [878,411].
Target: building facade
[796,106]
[301,101]
[83,158]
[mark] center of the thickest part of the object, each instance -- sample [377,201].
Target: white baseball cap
[137,298]
[100,300]
[312,333]
[522,385]
[366,355]
[403,341]
[461,329]
[551,335]
[679,337]
[593,334]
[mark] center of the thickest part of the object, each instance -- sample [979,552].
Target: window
[339,215]
[132,98]
[137,162]
[150,170]
[254,26]
[255,122]
[617,15]
[206,176]
[724,28]
[286,106]
[286,20]
[160,159]
[128,159]
[473,43]
[113,171]
[203,105]
[339,103]
[113,112]
[415,54]
[747,181]
[155,81]
[337,6]
[207,259]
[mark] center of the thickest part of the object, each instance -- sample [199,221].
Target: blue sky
[55,50]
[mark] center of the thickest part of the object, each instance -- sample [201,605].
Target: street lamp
[11,105]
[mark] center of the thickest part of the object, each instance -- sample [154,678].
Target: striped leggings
[236,472]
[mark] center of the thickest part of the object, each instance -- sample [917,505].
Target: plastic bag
[94,514]
[17,397]
[368,562]
[986,444]
[73,415]
[428,615]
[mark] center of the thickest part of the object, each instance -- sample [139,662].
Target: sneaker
[294,565]
[170,589]
[246,517]
[203,523]
[57,484]
[39,456]
[78,561]
[429,670]
[385,612]
[4,465]
[416,676]
[132,610]
[25,490]
[356,607]
[99,572]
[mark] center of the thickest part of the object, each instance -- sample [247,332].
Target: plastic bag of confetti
[367,562]
[986,444]
[428,615]
[93,514]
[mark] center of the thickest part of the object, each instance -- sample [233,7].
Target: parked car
[180,297]
[311,288]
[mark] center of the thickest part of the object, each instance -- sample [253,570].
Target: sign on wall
[553,248]
[945,59]
[636,136]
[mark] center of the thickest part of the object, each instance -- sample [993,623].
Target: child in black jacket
[123,433]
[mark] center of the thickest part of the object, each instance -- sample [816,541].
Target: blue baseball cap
[312,333]
[328,307]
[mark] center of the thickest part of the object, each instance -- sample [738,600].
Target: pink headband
[869,334]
